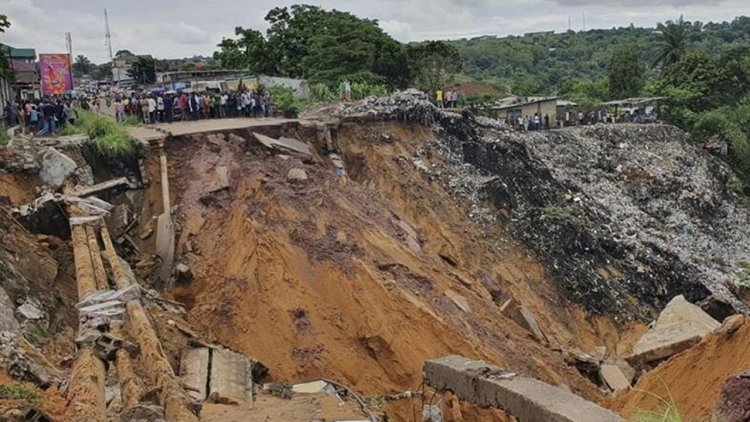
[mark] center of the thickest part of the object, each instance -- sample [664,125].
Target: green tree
[123,53]
[625,72]
[673,41]
[4,23]
[143,70]
[321,45]
[525,84]
[584,92]
[82,66]
[5,70]
[249,51]
[433,64]
[102,72]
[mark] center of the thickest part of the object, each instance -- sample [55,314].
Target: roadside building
[22,62]
[121,69]
[513,107]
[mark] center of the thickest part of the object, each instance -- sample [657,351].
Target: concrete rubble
[679,326]
[284,144]
[522,316]
[218,375]
[55,168]
[527,399]
[614,377]
[29,312]
[20,365]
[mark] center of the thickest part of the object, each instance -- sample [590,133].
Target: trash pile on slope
[627,210]
[411,105]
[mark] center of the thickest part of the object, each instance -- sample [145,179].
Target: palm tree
[82,65]
[672,43]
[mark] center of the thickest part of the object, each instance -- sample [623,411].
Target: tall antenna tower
[108,36]
[584,20]
[69,44]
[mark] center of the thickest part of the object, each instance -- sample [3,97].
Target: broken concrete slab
[165,245]
[659,344]
[194,372]
[315,387]
[29,312]
[680,326]
[614,377]
[458,300]
[118,220]
[102,187]
[522,316]
[231,378]
[527,399]
[56,167]
[288,144]
[679,310]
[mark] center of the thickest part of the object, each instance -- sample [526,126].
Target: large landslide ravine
[357,279]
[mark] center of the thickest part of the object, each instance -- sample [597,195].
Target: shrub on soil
[111,139]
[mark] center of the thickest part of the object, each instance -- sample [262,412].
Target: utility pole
[69,44]
[108,36]
[584,20]
[569,26]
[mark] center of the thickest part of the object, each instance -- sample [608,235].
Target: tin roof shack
[636,109]
[515,107]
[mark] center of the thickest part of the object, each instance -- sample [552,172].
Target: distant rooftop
[20,53]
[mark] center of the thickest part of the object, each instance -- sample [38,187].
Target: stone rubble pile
[410,105]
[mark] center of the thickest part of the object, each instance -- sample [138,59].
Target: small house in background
[513,107]
[22,62]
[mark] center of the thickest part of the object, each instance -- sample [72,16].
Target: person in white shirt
[223,108]
[160,109]
[151,110]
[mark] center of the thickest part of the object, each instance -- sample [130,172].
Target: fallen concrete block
[165,245]
[194,372]
[527,399]
[680,326]
[231,378]
[523,317]
[614,377]
[29,312]
[56,167]
[679,310]
[288,144]
[101,187]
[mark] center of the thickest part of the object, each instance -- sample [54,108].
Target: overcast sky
[183,28]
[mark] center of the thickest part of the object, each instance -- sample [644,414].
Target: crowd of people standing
[168,107]
[42,116]
[447,98]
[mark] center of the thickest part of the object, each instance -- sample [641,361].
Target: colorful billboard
[54,70]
